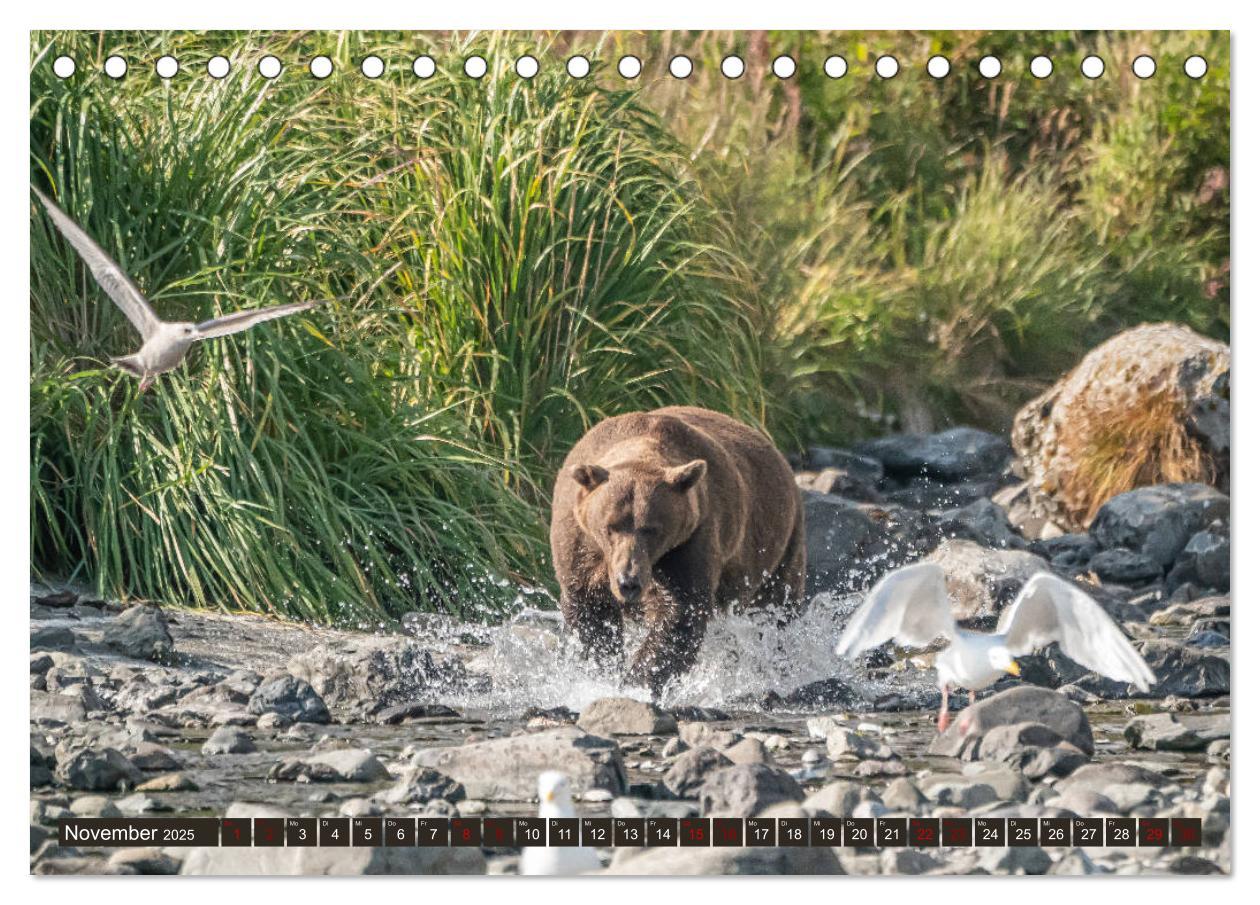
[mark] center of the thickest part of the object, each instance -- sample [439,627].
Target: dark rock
[833,692]
[228,740]
[1125,566]
[864,467]
[52,637]
[40,664]
[929,493]
[1187,613]
[745,790]
[58,599]
[626,716]
[695,714]
[421,784]
[1181,670]
[1205,560]
[290,697]
[689,772]
[1166,732]
[146,861]
[984,522]
[414,710]
[149,757]
[839,482]
[1022,704]
[1158,521]
[952,455]
[341,765]
[140,632]
[367,674]
[1207,639]
[850,545]
[97,770]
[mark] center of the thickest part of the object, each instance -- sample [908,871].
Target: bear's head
[635,513]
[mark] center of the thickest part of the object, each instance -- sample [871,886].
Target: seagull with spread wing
[165,342]
[912,607]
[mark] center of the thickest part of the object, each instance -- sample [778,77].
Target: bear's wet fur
[666,516]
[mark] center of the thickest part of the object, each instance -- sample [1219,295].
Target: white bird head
[554,788]
[1000,659]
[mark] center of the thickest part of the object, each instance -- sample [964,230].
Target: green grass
[514,260]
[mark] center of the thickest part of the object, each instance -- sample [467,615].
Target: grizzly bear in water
[669,515]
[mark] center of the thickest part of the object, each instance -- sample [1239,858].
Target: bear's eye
[649,530]
[624,526]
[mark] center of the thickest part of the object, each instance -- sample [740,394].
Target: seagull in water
[555,799]
[165,342]
[912,607]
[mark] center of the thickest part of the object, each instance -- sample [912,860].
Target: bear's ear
[684,477]
[588,476]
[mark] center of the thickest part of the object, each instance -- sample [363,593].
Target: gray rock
[746,789]
[56,709]
[423,784]
[140,632]
[97,770]
[1125,566]
[342,765]
[40,664]
[692,768]
[415,710]
[506,769]
[850,545]
[1166,732]
[951,455]
[626,716]
[1205,560]
[864,467]
[1022,704]
[982,581]
[699,735]
[94,806]
[838,799]
[228,740]
[168,782]
[1084,802]
[957,791]
[907,862]
[642,807]
[52,637]
[290,697]
[842,742]
[1098,778]
[1158,521]
[984,522]
[692,862]
[149,757]
[303,861]
[1015,860]
[674,747]
[748,751]
[1182,671]
[901,795]
[148,861]
[1032,748]
[1190,612]
[1075,863]
[1186,863]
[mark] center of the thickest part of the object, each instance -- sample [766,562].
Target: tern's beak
[1013,668]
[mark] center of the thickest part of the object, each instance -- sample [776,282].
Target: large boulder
[952,455]
[745,790]
[506,769]
[982,581]
[1148,406]
[848,545]
[1022,704]
[626,716]
[290,697]
[1181,670]
[1159,521]
[140,632]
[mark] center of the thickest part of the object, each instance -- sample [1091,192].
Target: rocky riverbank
[148,711]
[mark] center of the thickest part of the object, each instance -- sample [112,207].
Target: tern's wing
[108,275]
[910,605]
[243,320]
[1050,608]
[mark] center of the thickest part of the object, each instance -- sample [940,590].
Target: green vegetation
[515,259]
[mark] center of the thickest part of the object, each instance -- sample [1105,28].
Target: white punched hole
[63,67]
[1041,67]
[990,67]
[681,67]
[423,67]
[115,67]
[269,67]
[321,67]
[218,67]
[835,66]
[476,66]
[1144,66]
[1093,67]
[578,66]
[167,67]
[732,67]
[372,67]
[784,67]
[887,66]
[527,67]
[629,66]
[1196,67]
[938,67]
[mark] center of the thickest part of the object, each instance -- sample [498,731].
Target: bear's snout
[629,587]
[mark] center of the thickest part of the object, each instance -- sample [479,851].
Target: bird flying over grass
[165,342]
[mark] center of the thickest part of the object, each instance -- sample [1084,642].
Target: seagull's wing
[1050,608]
[108,275]
[243,320]
[910,605]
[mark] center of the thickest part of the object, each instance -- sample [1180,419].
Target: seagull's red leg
[145,382]
[971,696]
[942,718]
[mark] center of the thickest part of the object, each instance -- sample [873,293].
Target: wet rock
[1032,748]
[140,632]
[40,664]
[291,697]
[97,770]
[341,765]
[139,804]
[228,740]
[689,772]
[1022,704]
[1204,560]
[1068,552]
[951,455]
[745,790]
[41,772]
[831,692]
[422,784]
[368,674]
[840,482]
[864,467]
[849,545]
[626,716]
[1192,865]
[143,693]
[315,861]
[52,637]
[1166,732]
[148,861]
[1183,671]
[982,581]
[1158,521]
[1125,566]
[1190,612]
[149,757]
[507,769]
[984,522]
[414,710]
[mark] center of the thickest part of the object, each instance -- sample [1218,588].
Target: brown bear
[669,515]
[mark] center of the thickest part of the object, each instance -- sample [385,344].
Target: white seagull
[165,342]
[555,799]
[912,607]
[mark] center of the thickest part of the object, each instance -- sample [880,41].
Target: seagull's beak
[550,796]
[1013,668]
